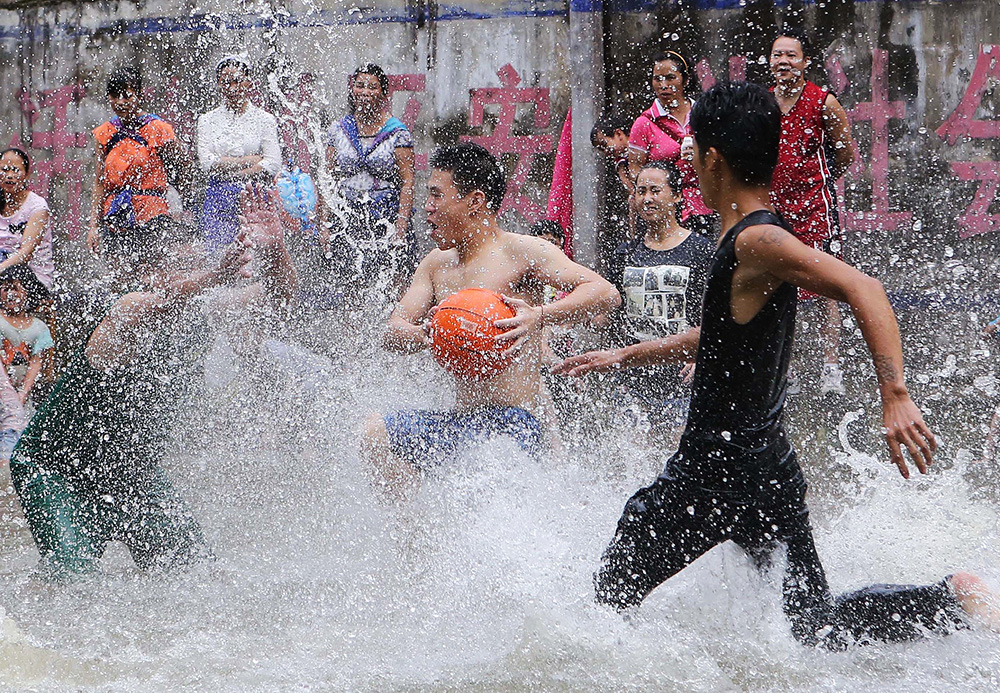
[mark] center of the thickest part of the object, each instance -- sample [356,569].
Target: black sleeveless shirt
[734,431]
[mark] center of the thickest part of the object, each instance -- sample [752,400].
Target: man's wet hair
[547,227]
[743,122]
[674,178]
[123,79]
[149,244]
[472,167]
[797,33]
[607,125]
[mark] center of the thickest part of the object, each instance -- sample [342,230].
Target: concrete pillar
[586,40]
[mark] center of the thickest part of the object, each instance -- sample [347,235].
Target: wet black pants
[669,524]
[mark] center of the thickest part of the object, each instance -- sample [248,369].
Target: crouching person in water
[735,475]
[87,469]
[465,190]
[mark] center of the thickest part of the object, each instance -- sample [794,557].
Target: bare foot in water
[982,605]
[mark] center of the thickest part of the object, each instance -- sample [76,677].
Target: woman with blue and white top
[371,156]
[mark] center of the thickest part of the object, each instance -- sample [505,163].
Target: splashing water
[483,582]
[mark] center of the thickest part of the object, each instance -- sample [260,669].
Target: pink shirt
[12,234]
[659,135]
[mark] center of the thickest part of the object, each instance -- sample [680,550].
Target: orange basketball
[462,331]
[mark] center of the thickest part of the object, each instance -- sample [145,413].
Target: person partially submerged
[735,475]
[87,468]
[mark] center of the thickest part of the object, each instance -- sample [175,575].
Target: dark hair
[743,122]
[608,125]
[27,168]
[123,78]
[547,227]
[794,32]
[232,62]
[473,168]
[674,178]
[678,60]
[368,69]
[38,293]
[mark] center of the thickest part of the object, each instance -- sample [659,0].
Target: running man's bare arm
[838,129]
[771,255]
[681,348]
[407,332]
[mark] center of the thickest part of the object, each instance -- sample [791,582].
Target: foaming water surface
[482,582]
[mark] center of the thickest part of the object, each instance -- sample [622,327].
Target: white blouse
[222,132]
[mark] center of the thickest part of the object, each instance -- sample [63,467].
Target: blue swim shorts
[427,437]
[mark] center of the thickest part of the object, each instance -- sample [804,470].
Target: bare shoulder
[762,236]
[530,247]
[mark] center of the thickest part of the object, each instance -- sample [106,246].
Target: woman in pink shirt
[25,230]
[658,135]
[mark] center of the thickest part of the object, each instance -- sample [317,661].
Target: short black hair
[233,61]
[37,292]
[743,122]
[473,168]
[797,33]
[122,79]
[607,125]
[547,227]
[674,178]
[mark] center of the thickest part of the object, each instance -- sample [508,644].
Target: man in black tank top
[735,475]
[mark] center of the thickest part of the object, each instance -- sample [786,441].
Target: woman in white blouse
[237,143]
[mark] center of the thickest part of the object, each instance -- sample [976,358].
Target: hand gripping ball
[462,331]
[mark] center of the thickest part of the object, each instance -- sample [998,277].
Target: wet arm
[838,130]
[406,331]
[681,348]
[774,251]
[589,294]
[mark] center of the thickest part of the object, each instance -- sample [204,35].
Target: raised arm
[136,318]
[769,255]
[405,164]
[407,329]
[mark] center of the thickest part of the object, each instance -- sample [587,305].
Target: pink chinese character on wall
[58,142]
[878,112]
[963,124]
[502,140]
[412,83]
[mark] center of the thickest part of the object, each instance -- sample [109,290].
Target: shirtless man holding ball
[465,190]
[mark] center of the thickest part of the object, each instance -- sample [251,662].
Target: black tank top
[738,395]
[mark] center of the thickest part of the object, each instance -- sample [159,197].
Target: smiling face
[13,175]
[657,201]
[366,93]
[448,211]
[668,82]
[788,61]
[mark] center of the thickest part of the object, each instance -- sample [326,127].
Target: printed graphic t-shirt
[662,292]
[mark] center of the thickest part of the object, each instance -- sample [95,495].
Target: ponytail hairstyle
[27,168]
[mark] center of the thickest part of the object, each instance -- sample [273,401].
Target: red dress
[800,188]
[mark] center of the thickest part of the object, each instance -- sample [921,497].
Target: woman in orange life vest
[136,153]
